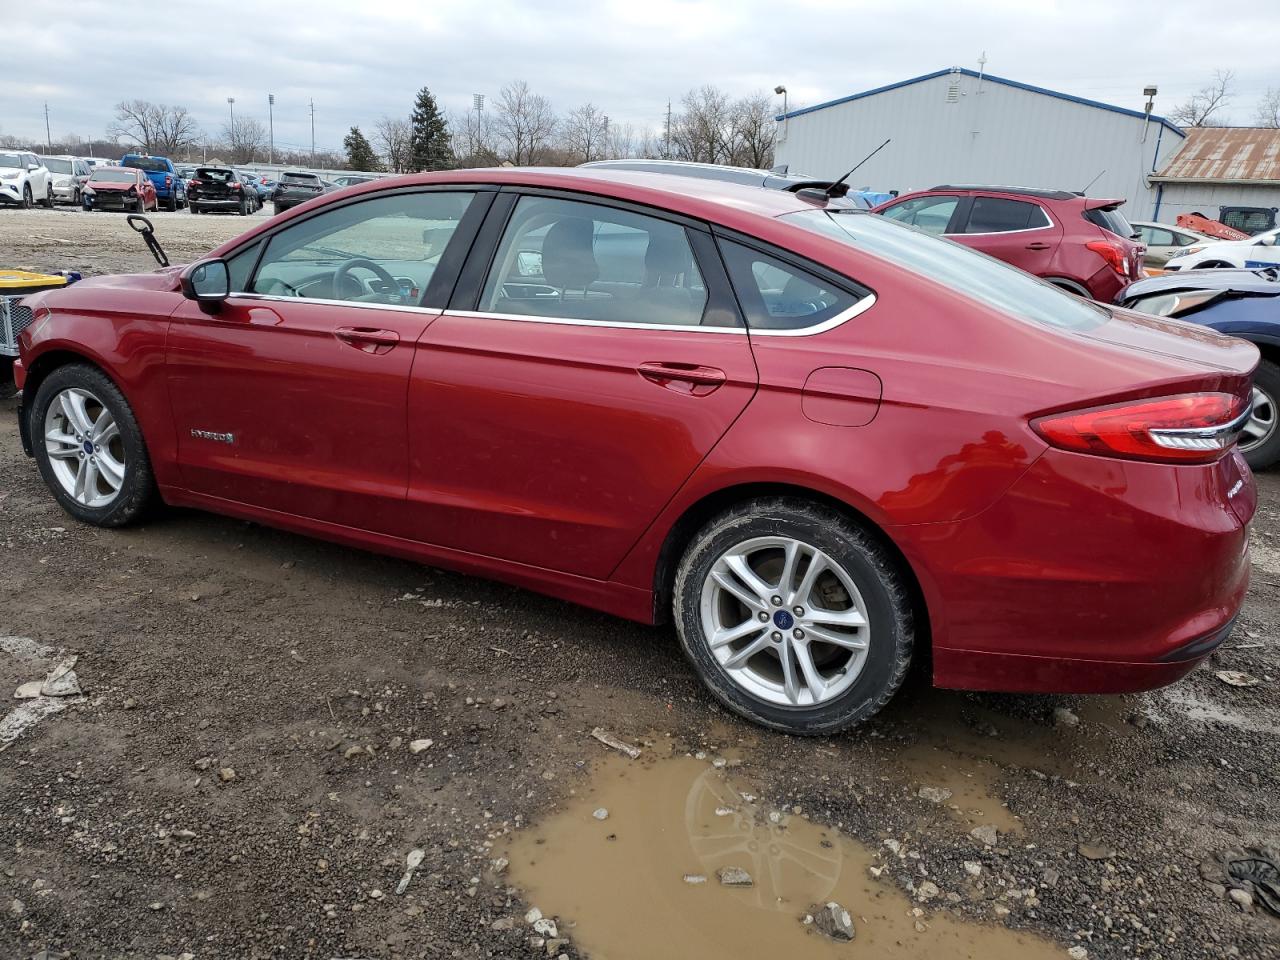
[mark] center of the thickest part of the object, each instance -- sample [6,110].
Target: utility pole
[313,131]
[667,151]
[271,125]
[48,140]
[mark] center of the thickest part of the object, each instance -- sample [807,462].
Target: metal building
[960,126]
[1220,168]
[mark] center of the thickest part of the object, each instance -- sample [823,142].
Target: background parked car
[171,189]
[748,176]
[1163,240]
[69,175]
[1259,251]
[24,179]
[296,188]
[119,188]
[1244,304]
[257,187]
[1082,244]
[221,188]
[350,180]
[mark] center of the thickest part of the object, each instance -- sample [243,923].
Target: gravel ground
[237,781]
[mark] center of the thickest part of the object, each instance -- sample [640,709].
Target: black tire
[244,206]
[77,198]
[1215,265]
[875,572]
[27,202]
[138,489]
[276,209]
[1266,379]
[172,204]
[48,197]
[193,207]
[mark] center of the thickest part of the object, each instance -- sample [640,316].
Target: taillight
[1111,252]
[167,179]
[1188,428]
[235,186]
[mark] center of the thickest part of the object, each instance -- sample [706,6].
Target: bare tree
[753,132]
[243,139]
[703,132]
[154,127]
[585,134]
[473,139]
[1199,110]
[1268,114]
[524,124]
[393,137]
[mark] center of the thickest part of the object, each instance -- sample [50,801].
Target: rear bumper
[1089,575]
[230,203]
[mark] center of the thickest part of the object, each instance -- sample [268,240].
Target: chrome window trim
[863,305]
[401,307]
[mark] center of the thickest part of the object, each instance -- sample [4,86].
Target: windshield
[977,276]
[214,174]
[146,163]
[113,176]
[310,179]
[12,160]
[57,166]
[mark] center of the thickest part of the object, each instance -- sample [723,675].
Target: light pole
[231,102]
[271,126]
[781,91]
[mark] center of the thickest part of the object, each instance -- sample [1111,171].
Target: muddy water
[973,784]
[617,886]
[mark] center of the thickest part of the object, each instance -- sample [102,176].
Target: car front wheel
[1260,438]
[89,448]
[794,616]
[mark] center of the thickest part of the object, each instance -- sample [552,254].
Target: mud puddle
[971,782]
[620,886]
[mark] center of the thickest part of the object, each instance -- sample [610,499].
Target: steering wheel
[344,271]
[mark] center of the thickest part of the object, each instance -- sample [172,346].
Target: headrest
[666,257]
[568,254]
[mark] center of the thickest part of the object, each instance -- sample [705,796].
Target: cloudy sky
[360,61]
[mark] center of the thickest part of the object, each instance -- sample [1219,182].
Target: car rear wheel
[48,197]
[794,616]
[89,449]
[244,206]
[172,204]
[1260,439]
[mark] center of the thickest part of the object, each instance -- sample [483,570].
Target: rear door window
[570,260]
[931,214]
[1001,215]
[776,295]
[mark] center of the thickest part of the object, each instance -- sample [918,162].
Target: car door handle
[367,338]
[1038,245]
[668,373]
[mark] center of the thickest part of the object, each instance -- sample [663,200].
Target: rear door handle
[1038,245]
[669,374]
[368,339]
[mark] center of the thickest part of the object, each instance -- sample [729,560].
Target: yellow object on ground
[19,282]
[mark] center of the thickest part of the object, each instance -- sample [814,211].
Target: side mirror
[32,167]
[207,282]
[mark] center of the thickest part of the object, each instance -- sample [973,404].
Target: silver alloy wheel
[785,621]
[85,449]
[1261,425]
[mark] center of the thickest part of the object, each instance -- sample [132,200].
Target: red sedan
[119,188]
[821,443]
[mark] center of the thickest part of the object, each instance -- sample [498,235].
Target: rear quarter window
[1111,220]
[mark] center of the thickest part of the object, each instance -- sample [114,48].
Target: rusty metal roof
[1226,155]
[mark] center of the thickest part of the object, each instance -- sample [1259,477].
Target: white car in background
[24,180]
[69,175]
[1254,253]
[1164,240]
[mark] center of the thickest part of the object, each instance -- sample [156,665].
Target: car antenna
[831,190]
[1091,183]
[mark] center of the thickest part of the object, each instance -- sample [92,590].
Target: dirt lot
[238,782]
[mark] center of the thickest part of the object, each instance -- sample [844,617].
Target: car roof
[1251,281]
[1024,191]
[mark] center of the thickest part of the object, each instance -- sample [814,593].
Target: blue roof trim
[965,71]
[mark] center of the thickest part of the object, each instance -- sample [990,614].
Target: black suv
[220,188]
[296,188]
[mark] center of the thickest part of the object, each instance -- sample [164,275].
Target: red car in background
[119,188]
[818,442]
[1079,243]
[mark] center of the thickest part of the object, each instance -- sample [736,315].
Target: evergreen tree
[429,143]
[360,153]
